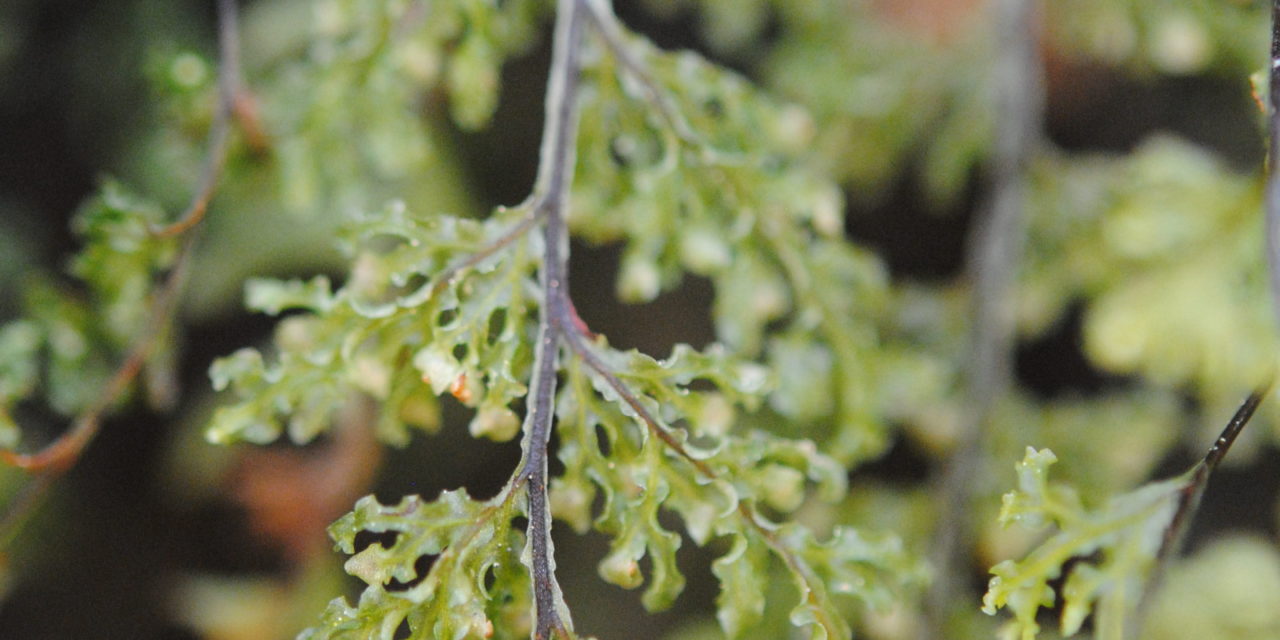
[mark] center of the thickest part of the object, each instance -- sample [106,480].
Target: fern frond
[1110,555]
[405,322]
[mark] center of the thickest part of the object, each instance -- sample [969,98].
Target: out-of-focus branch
[230,103]
[611,33]
[60,455]
[1273,167]
[994,249]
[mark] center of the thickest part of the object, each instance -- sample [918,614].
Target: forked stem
[555,175]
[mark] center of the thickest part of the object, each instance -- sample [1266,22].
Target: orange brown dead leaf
[292,495]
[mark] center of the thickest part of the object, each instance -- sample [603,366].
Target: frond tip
[1126,535]
[1118,548]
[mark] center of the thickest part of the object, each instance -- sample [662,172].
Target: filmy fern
[436,304]
[1129,537]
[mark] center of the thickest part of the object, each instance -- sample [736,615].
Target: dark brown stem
[1199,479]
[1189,499]
[555,175]
[1233,429]
[993,252]
[560,323]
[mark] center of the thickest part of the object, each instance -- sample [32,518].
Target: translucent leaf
[1146,36]
[608,446]
[761,220]
[121,258]
[886,88]
[273,296]
[351,111]
[20,343]
[1125,536]
[463,539]
[742,572]
[402,329]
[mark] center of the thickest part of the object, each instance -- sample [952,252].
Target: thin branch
[1273,167]
[511,235]
[1189,500]
[1230,432]
[796,564]
[611,32]
[993,256]
[576,338]
[555,175]
[60,455]
[230,103]
[1191,494]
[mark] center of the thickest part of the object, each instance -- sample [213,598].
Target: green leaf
[273,296]
[1126,535]
[1148,241]
[20,343]
[1148,37]
[350,113]
[743,573]
[642,473]
[121,258]
[467,541]
[401,330]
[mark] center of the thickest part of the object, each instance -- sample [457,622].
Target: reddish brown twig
[61,454]
[231,105]
[58,456]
